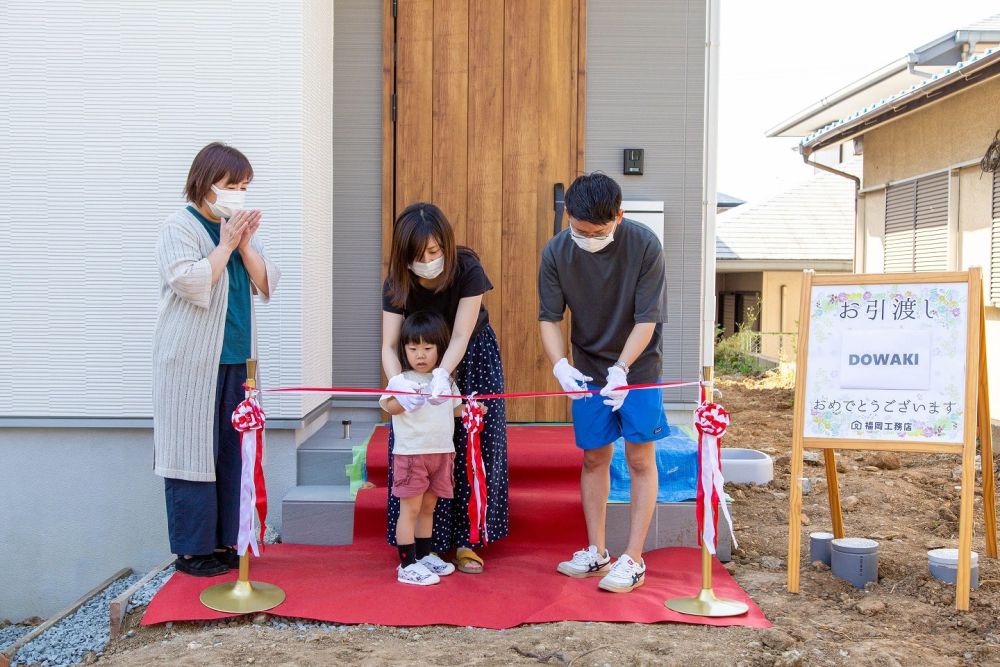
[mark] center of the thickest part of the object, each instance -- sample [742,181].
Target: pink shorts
[415,474]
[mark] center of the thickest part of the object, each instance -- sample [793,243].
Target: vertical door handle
[558,205]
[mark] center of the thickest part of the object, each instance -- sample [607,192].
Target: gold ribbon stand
[705,603]
[244,596]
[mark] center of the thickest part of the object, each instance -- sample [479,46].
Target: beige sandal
[464,557]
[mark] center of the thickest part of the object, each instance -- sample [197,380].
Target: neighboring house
[762,248]
[724,202]
[916,66]
[923,202]
[349,110]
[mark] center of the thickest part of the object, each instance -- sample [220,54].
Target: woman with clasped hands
[211,265]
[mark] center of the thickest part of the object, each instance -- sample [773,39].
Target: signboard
[893,362]
[887,362]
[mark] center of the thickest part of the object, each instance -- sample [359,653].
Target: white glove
[615,397]
[410,402]
[570,379]
[440,384]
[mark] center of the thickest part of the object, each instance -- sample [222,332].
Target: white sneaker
[586,563]
[434,564]
[416,574]
[624,576]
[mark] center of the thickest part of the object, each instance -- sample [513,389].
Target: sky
[777,57]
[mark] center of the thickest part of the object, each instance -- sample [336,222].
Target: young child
[424,454]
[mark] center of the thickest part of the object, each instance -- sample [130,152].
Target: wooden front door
[483,116]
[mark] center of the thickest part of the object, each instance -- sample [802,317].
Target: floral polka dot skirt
[481,371]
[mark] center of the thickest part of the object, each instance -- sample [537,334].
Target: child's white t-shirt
[427,430]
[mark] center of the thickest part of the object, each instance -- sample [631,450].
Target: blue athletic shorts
[640,419]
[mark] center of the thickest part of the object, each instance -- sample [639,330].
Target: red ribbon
[260,488]
[472,419]
[363,391]
[249,416]
[710,419]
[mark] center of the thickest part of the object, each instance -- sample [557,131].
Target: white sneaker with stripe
[625,575]
[586,563]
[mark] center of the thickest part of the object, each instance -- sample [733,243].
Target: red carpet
[357,584]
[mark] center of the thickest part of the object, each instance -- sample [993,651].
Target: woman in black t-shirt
[428,272]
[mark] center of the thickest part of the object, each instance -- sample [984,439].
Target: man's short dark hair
[594,198]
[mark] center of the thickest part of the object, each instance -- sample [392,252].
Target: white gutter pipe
[709,183]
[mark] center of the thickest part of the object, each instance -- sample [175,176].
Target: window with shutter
[995,251]
[916,225]
[900,201]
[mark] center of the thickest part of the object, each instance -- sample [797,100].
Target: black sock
[407,554]
[423,547]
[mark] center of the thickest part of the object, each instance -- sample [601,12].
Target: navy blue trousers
[202,516]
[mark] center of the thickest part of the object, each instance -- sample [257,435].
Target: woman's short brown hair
[213,163]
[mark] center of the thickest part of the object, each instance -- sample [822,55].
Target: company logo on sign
[885,359]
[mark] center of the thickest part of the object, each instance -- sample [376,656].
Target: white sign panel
[885,359]
[887,362]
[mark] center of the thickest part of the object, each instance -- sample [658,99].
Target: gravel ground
[144,595]
[84,632]
[11,633]
[87,630]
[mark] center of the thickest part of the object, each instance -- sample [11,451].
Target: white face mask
[227,202]
[428,270]
[593,243]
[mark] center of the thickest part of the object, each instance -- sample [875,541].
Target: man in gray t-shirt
[609,272]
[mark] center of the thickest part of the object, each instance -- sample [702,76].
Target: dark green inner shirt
[236,341]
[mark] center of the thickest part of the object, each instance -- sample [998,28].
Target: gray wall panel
[646,89]
[80,504]
[357,192]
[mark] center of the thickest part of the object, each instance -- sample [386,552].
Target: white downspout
[709,182]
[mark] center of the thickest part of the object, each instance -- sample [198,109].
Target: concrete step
[321,459]
[325,515]
[673,525]
[318,514]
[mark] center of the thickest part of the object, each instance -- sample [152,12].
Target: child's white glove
[615,397]
[440,384]
[410,402]
[570,379]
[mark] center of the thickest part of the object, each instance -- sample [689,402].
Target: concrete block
[673,525]
[318,514]
[323,467]
[616,529]
[323,457]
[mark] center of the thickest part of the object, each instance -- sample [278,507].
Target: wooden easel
[976,417]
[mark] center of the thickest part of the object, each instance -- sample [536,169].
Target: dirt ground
[908,503]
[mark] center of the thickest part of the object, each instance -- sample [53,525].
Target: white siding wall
[104,105]
[357,167]
[646,89]
[317,197]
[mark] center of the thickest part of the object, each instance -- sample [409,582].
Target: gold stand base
[706,604]
[242,597]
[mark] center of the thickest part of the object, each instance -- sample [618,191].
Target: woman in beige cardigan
[211,264]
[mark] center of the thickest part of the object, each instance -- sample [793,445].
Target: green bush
[732,354]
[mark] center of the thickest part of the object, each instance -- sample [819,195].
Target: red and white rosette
[711,421]
[472,419]
[248,419]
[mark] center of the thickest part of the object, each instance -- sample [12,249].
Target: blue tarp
[676,461]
